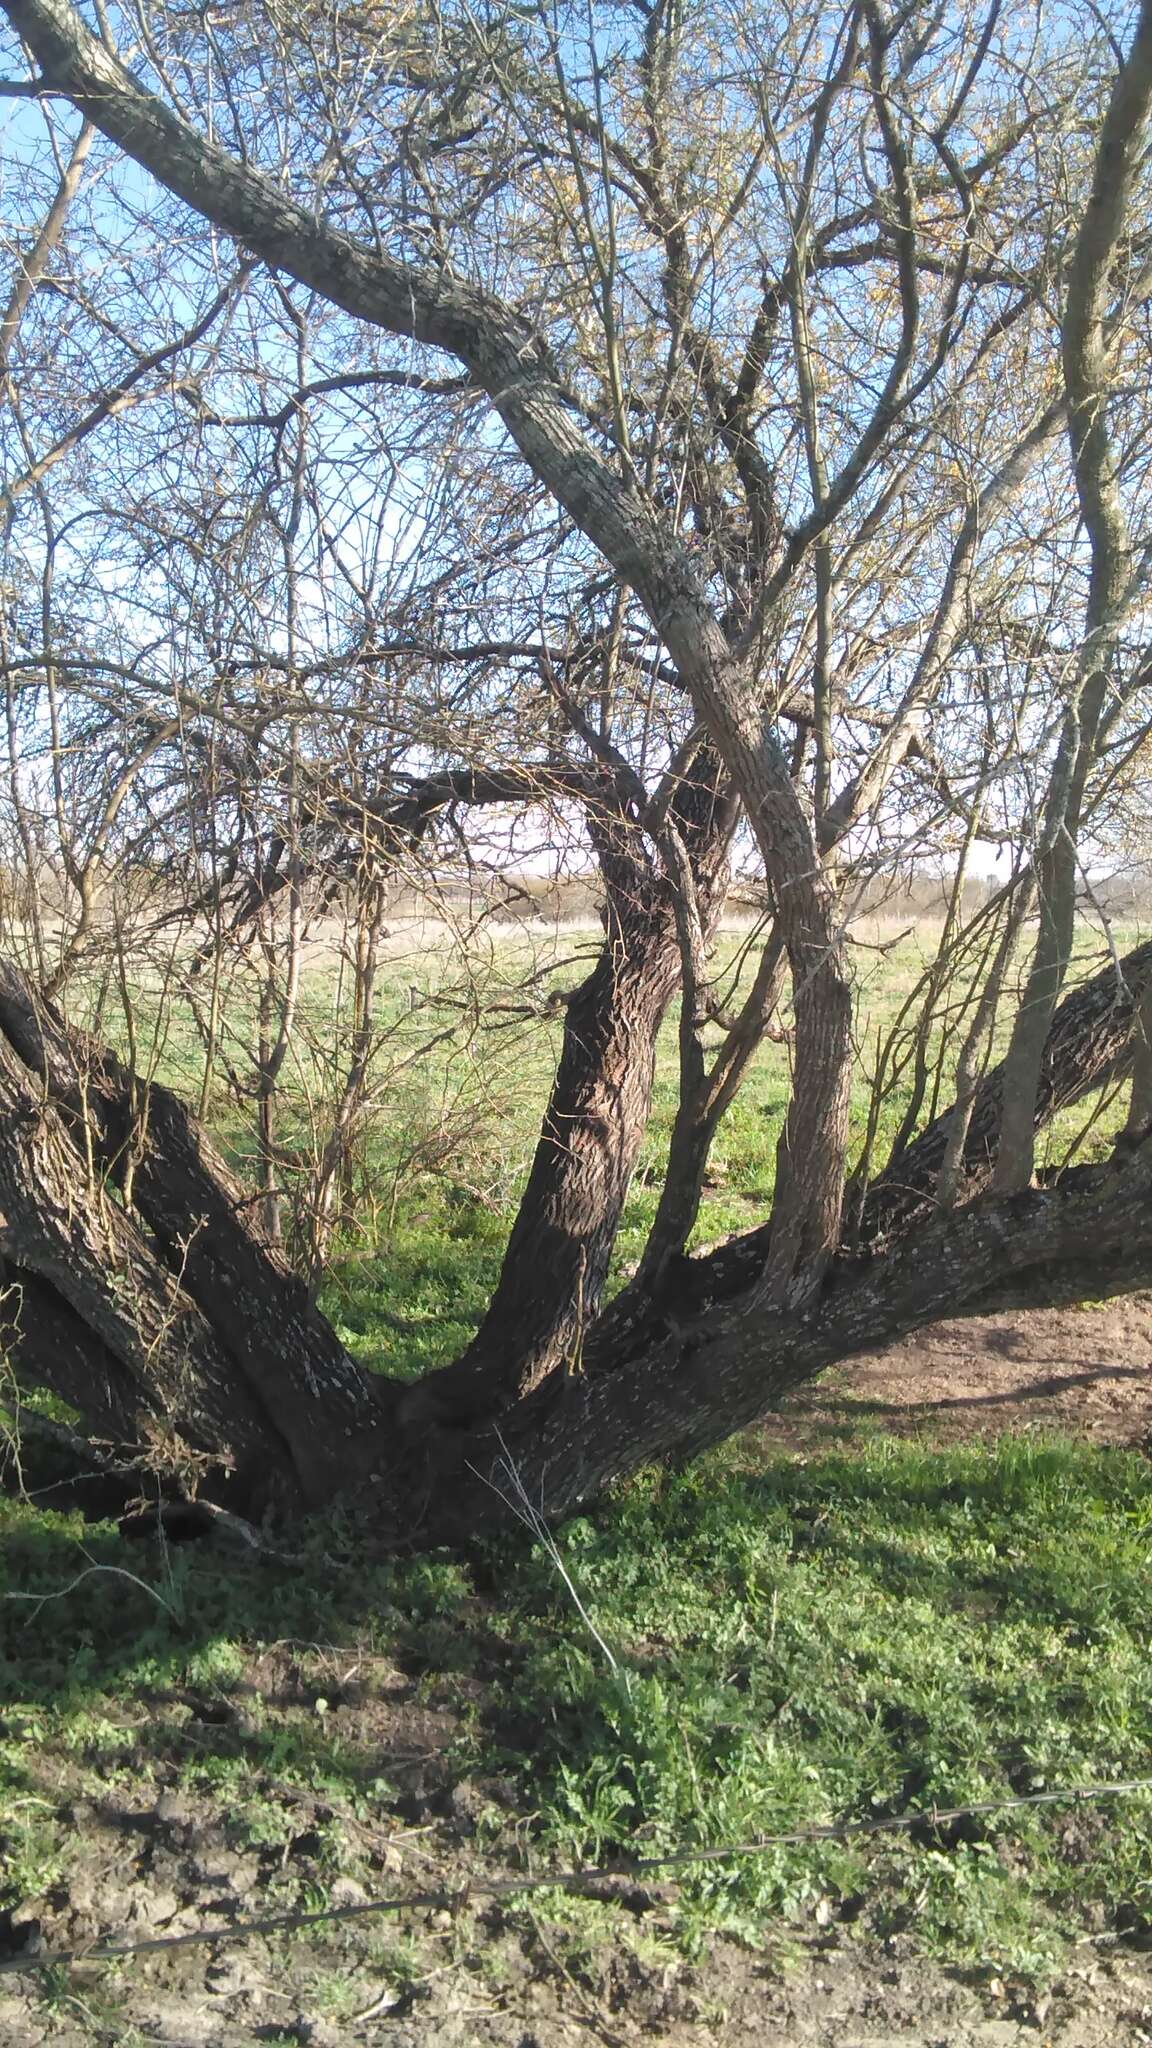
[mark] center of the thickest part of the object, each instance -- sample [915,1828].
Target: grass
[797,1643]
[883,1629]
[433,1258]
[850,1639]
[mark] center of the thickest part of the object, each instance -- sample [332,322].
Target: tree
[793,393]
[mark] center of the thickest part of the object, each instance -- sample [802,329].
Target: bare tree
[783,496]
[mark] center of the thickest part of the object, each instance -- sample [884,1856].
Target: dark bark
[117,1201]
[144,1334]
[696,1382]
[556,1261]
[93,1313]
[506,359]
[198,1314]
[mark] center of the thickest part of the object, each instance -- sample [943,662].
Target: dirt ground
[821,2000]
[499,1976]
[504,1976]
[1080,1372]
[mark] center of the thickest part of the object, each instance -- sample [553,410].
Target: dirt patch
[1082,1372]
[511,1978]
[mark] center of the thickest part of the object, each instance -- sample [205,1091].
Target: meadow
[762,1644]
[468,1030]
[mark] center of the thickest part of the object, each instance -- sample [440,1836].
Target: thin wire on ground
[570,1880]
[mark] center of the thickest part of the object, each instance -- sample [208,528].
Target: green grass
[462,1079]
[882,1630]
[795,1644]
[851,1639]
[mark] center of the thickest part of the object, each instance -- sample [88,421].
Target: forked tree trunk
[505,358]
[139,1289]
[199,1298]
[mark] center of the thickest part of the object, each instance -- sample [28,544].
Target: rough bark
[695,1382]
[1092,1041]
[215,1333]
[731,1334]
[119,1334]
[90,1310]
[556,1261]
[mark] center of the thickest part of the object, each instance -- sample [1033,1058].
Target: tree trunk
[556,1261]
[192,1344]
[505,359]
[183,1321]
[696,1382]
[1093,1041]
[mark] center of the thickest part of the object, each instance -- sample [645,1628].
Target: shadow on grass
[794,1643]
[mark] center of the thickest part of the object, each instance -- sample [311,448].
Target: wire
[501,1888]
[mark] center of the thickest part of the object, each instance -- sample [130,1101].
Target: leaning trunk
[556,1261]
[151,1301]
[692,1383]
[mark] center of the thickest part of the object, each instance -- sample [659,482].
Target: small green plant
[858,1638]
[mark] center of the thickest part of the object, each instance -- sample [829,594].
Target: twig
[590,2004]
[572,1880]
[116,1571]
[531,1519]
[384,2003]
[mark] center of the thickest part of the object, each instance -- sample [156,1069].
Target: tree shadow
[1000,1397]
[221,1729]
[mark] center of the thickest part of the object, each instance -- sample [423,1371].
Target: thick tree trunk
[506,359]
[556,1261]
[139,1250]
[194,1346]
[92,1312]
[696,1382]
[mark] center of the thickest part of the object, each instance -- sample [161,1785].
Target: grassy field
[462,1071]
[776,1644]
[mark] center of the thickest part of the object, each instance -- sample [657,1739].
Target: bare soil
[486,1975]
[1082,1372]
[494,1976]
[506,1977]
